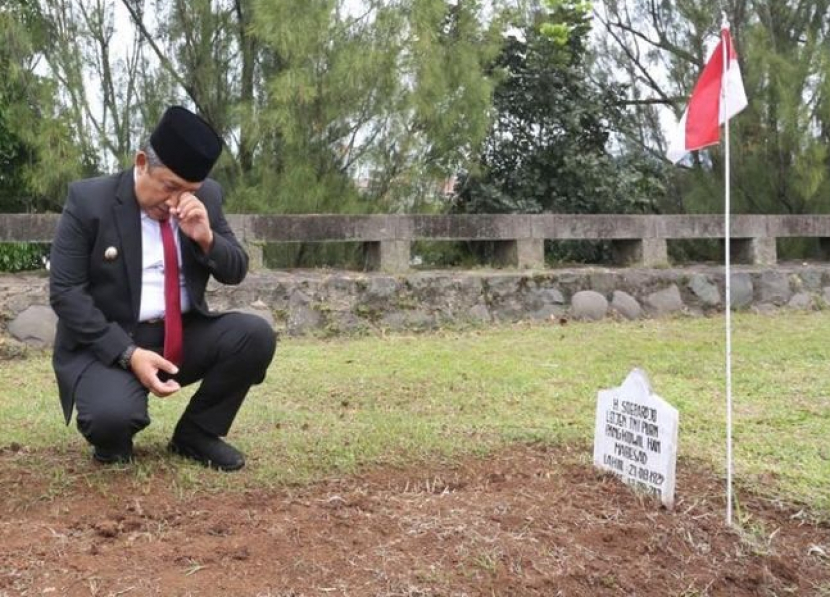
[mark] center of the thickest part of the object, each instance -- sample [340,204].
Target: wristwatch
[124,359]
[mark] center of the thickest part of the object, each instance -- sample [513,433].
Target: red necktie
[172,297]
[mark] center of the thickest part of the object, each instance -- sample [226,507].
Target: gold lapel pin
[111,253]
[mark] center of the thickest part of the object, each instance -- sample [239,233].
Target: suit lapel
[127,218]
[187,247]
[189,263]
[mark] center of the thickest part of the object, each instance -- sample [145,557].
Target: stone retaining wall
[341,302]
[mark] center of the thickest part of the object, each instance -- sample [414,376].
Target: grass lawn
[333,406]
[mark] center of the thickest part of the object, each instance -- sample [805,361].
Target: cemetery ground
[445,463]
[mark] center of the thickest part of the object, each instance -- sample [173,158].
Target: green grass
[330,407]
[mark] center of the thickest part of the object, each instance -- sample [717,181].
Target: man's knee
[259,338]
[261,342]
[111,426]
[263,336]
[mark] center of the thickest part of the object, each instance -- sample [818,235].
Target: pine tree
[38,155]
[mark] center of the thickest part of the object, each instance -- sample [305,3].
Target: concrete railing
[637,240]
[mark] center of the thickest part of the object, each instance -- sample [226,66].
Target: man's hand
[193,220]
[146,365]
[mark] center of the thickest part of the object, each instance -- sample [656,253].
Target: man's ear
[140,160]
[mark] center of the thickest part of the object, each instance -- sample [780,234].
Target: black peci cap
[186,144]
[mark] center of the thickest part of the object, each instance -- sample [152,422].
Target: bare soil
[530,520]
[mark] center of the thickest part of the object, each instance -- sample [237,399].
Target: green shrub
[18,257]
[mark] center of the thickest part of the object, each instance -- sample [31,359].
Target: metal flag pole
[728,275]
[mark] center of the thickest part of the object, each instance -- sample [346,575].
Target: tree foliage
[38,151]
[549,148]
[779,144]
[323,108]
[395,97]
[337,106]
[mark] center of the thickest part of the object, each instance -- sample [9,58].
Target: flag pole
[710,107]
[728,280]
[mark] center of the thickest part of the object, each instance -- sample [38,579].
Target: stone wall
[519,239]
[341,302]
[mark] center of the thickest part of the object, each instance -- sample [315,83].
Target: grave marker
[636,437]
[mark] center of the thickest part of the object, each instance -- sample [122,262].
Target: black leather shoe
[206,449]
[105,456]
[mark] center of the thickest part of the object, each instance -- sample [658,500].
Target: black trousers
[228,353]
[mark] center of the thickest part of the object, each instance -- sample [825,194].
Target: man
[130,261]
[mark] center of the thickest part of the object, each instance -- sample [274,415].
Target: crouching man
[130,261]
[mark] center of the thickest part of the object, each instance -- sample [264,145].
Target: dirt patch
[525,521]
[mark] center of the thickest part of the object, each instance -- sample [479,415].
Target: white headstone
[636,437]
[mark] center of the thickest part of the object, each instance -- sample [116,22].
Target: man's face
[157,188]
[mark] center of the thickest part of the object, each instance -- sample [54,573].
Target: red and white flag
[718,95]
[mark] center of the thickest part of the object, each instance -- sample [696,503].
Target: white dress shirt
[152,269]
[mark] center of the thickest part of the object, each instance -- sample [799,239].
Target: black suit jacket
[97,300]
